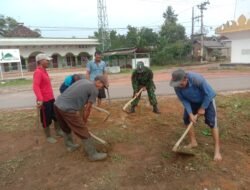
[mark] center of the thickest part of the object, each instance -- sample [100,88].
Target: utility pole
[103,24]
[202,7]
[192,33]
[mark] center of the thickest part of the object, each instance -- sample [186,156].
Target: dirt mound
[140,156]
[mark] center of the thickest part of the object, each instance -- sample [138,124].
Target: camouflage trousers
[151,97]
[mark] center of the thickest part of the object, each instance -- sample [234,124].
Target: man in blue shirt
[95,68]
[69,80]
[197,97]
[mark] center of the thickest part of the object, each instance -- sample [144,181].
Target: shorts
[101,93]
[47,113]
[210,114]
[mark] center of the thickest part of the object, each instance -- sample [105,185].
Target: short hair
[98,52]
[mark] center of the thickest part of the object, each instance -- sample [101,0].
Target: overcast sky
[82,14]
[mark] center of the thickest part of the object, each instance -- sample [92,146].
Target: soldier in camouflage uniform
[142,77]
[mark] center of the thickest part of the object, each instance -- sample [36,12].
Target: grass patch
[18,120]
[9,167]
[15,82]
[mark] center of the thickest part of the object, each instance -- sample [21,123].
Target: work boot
[59,132]
[132,109]
[68,141]
[91,151]
[49,138]
[156,110]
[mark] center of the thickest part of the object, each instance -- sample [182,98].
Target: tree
[147,38]
[132,37]
[7,24]
[169,16]
[173,44]
[9,27]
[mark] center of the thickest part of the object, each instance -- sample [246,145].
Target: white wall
[25,51]
[146,62]
[240,52]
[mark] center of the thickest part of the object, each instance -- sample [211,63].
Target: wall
[240,51]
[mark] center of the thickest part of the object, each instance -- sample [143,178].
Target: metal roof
[125,51]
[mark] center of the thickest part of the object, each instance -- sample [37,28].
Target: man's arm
[37,77]
[105,73]
[134,81]
[88,70]
[185,103]
[208,92]
[87,110]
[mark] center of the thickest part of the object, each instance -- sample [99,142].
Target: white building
[239,34]
[66,52]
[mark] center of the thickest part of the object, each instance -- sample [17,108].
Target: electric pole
[202,7]
[103,24]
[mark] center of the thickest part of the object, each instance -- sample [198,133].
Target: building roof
[125,51]
[211,44]
[47,41]
[242,24]
[23,31]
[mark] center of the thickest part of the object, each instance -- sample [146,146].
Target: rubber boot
[132,109]
[49,138]
[59,132]
[68,141]
[155,109]
[91,151]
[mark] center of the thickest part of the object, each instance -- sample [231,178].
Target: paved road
[219,83]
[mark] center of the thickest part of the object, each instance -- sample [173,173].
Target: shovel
[184,151]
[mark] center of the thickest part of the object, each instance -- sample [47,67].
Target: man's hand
[39,104]
[192,118]
[201,111]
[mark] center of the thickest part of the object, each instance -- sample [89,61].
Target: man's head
[101,82]
[77,77]
[43,60]
[179,79]
[98,56]
[140,67]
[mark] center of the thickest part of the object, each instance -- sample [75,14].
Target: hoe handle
[129,102]
[183,136]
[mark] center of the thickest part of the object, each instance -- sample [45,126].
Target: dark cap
[102,79]
[177,77]
[140,67]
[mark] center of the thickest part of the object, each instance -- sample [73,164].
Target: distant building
[66,52]
[239,34]
[21,31]
[214,49]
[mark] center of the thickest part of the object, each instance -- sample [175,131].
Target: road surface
[122,88]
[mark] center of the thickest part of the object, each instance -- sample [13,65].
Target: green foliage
[169,46]
[15,82]
[7,24]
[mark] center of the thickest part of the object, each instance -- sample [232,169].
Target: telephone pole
[103,24]
[202,7]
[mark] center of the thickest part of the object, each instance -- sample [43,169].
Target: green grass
[15,82]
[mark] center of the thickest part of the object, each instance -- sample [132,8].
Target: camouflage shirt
[142,79]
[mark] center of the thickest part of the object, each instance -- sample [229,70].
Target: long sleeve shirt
[142,79]
[197,91]
[42,85]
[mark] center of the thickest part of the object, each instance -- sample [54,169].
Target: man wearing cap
[82,93]
[197,97]
[95,68]
[142,77]
[44,96]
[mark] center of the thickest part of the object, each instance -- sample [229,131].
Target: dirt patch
[140,157]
